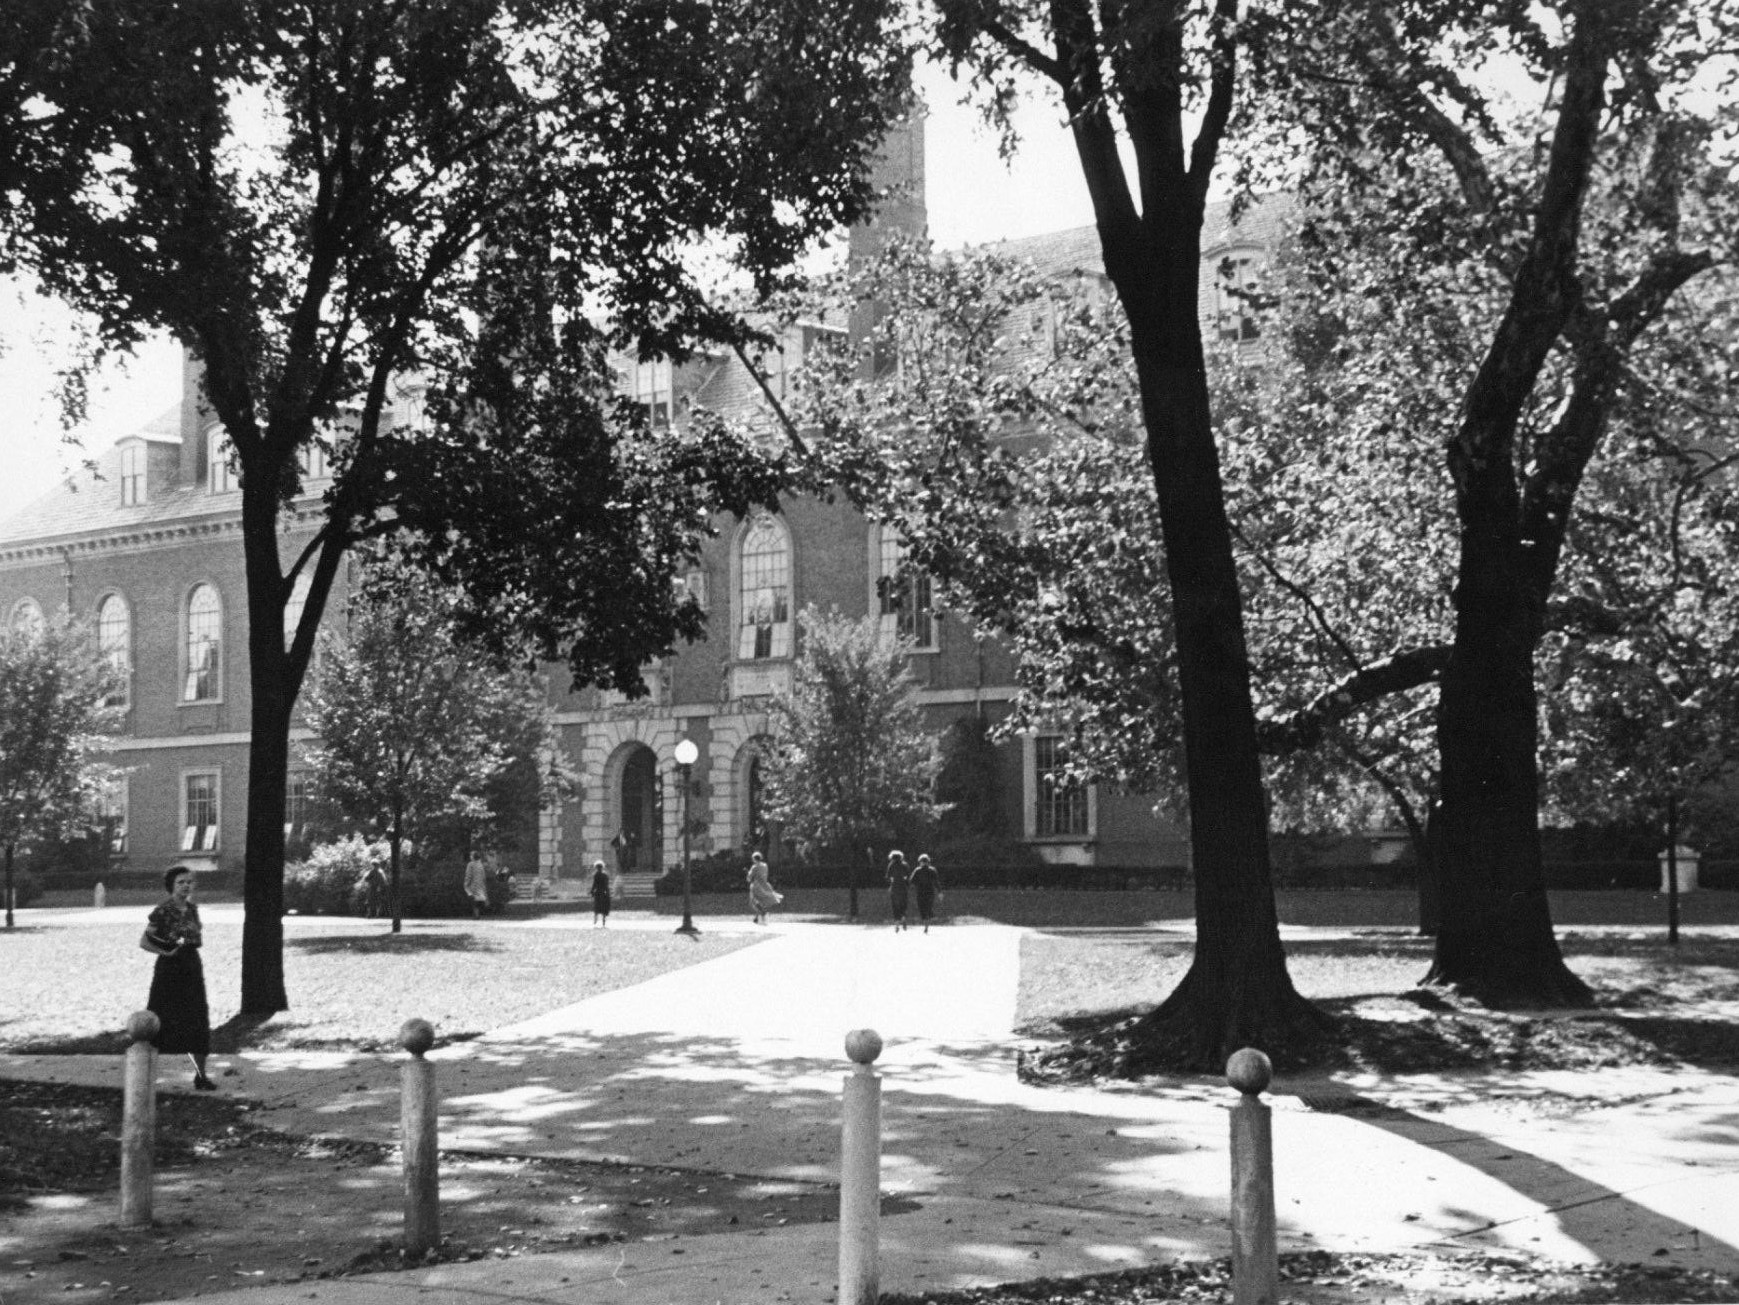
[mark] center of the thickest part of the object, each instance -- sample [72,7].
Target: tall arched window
[115,644]
[27,618]
[204,649]
[764,611]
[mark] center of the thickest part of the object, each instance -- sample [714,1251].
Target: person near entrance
[624,844]
[762,897]
[600,895]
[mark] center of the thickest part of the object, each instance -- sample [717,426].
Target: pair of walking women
[920,883]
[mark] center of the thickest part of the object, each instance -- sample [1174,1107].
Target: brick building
[149,552]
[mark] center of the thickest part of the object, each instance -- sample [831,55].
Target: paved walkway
[735,1065]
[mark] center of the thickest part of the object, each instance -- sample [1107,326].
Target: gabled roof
[89,501]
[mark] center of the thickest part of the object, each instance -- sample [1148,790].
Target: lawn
[70,987]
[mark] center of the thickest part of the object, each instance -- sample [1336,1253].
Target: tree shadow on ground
[1442,1037]
[393,943]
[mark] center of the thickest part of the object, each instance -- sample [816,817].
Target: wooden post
[418,1105]
[138,1118]
[1255,1252]
[99,897]
[860,1172]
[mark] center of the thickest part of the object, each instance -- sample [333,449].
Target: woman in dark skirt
[600,896]
[178,982]
[925,883]
[898,874]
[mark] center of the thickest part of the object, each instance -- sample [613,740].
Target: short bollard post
[418,1105]
[860,1172]
[1255,1254]
[138,1118]
[99,897]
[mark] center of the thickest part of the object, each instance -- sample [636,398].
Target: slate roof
[89,501]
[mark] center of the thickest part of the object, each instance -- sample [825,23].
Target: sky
[971,194]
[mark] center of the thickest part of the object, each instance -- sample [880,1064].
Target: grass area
[69,987]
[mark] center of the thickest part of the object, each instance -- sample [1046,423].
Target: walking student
[898,875]
[477,885]
[600,896]
[926,887]
[173,935]
[762,897]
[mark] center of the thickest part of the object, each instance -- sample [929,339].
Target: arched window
[764,613]
[204,648]
[27,618]
[115,644]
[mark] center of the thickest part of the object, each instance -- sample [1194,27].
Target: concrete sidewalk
[735,1065]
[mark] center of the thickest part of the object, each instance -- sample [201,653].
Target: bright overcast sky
[971,194]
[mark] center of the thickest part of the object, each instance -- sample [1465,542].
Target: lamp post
[686,753]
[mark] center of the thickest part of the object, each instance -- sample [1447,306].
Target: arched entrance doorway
[760,834]
[641,802]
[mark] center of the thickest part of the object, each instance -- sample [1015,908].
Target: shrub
[725,871]
[329,882]
[26,887]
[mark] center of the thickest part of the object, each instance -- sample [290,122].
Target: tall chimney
[898,176]
[195,417]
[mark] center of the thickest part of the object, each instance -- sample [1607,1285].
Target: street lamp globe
[687,752]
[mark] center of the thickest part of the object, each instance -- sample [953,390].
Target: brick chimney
[898,176]
[196,417]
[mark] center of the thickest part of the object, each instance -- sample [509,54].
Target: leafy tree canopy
[850,755]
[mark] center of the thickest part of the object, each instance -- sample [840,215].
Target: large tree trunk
[1495,939]
[274,696]
[1237,992]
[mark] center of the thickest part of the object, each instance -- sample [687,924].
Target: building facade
[148,551]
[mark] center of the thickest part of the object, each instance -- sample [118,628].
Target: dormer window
[132,475]
[1237,283]
[221,454]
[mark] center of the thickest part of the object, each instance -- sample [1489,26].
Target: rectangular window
[905,594]
[1060,806]
[223,476]
[112,815]
[314,463]
[692,585]
[132,475]
[199,811]
[1236,291]
[651,385]
[298,798]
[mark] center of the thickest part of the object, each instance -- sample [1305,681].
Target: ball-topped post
[143,1026]
[418,1105]
[1255,1248]
[1249,1071]
[863,1046]
[860,1172]
[138,1117]
[687,753]
[417,1036]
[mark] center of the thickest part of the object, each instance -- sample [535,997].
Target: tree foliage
[53,732]
[850,759]
[328,202]
[419,731]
